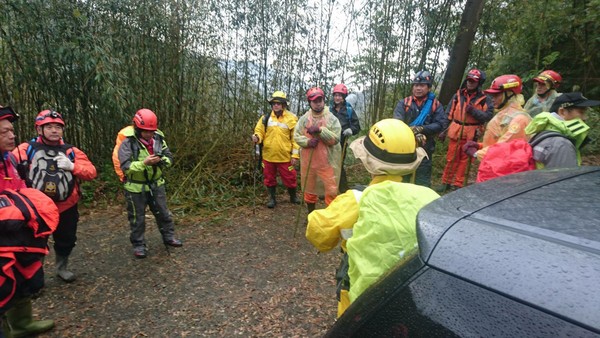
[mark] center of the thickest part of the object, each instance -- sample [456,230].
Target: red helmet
[551,76]
[315,93]
[340,89]
[48,116]
[505,83]
[145,119]
[476,75]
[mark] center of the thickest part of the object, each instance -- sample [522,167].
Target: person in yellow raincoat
[376,226]
[318,134]
[510,118]
[275,131]
[546,84]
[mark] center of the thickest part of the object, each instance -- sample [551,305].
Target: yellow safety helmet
[389,148]
[392,141]
[279,96]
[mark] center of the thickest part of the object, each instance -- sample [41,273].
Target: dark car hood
[533,236]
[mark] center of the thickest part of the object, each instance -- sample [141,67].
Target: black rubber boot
[272,200]
[310,207]
[293,198]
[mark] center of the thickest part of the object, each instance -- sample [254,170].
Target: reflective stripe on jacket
[140,176]
[278,138]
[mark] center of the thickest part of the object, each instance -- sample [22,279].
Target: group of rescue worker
[376,224]
[39,196]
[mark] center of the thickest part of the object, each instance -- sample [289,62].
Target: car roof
[532,236]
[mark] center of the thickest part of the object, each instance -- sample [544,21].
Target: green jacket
[141,177]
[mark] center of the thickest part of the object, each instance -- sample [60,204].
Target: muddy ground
[244,274]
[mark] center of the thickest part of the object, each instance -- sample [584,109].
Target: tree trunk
[459,56]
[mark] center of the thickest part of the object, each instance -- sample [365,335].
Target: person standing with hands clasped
[60,183]
[275,131]
[143,155]
[318,134]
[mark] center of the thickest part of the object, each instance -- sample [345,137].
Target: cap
[574,99]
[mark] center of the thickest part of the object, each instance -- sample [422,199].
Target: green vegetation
[206,67]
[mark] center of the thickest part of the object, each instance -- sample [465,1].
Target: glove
[470,148]
[313,130]
[417,129]
[442,136]
[347,132]
[63,162]
[421,139]
[470,109]
[312,143]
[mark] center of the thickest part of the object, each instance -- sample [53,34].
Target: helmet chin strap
[506,98]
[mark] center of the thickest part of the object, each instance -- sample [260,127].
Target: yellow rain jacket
[278,137]
[327,227]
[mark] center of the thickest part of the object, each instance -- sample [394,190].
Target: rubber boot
[272,200]
[20,319]
[310,207]
[61,269]
[293,198]
[4,328]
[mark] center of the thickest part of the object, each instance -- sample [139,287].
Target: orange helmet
[340,89]
[550,76]
[315,93]
[505,83]
[145,119]
[49,116]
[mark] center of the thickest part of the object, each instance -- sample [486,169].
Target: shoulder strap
[407,103]
[265,119]
[539,137]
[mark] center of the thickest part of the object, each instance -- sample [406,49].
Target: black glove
[470,109]
[470,148]
[417,129]
[421,139]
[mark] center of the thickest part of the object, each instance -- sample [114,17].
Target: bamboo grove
[206,66]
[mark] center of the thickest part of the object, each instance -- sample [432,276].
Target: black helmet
[423,77]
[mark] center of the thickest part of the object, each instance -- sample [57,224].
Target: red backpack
[506,158]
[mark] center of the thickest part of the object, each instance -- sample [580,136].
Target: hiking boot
[310,207]
[173,242]
[272,200]
[140,251]
[293,198]
[61,269]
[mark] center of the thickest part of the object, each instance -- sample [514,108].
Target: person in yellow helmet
[275,131]
[376,226]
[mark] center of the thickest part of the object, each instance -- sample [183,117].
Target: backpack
[511,157]
[259,151]
[43,173]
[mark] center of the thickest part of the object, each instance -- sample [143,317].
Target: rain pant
[535,106]
[464,127]
[319,166]
[508,124]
